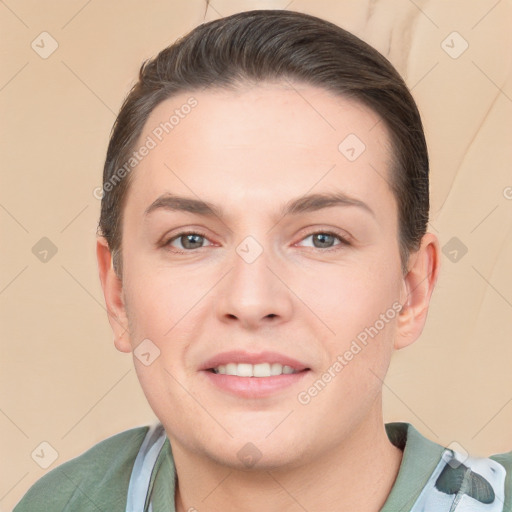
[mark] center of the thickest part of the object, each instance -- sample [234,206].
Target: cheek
[358,306]
[165,306]
[159,310]
[158,300]
[348,299]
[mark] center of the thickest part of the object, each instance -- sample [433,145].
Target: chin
[255,450]
[252,457]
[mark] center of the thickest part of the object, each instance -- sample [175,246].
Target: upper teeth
[253,370]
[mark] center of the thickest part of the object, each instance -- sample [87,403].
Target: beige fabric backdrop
[66,67]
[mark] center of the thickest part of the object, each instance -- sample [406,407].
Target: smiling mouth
[259,370]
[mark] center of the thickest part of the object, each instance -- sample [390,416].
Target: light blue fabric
[139,487]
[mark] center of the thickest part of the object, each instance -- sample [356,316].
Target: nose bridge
[251,290]
[251,278]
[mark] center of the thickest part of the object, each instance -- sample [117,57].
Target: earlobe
[113,293]
[418,285]
[122,343]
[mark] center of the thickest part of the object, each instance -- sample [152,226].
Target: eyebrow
[303,204]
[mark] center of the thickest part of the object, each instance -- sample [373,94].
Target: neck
[356,475]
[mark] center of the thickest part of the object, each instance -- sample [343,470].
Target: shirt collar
[420,458]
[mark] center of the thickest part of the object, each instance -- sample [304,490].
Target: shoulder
[505,459]
[95,480]
[435,477]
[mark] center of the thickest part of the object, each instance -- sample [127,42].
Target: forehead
[262,142]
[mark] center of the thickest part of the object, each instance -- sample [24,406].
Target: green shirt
[98,479]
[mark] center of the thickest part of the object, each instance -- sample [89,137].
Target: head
[266,192]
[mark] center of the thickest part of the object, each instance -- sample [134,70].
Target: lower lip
[254,387]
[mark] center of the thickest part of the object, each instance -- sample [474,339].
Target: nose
[253,294]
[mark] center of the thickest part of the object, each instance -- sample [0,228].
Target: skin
[250,152]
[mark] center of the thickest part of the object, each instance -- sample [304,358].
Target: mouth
[253,375]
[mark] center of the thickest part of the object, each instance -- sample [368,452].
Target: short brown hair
[275,45]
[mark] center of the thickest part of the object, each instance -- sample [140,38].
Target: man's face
[261,282]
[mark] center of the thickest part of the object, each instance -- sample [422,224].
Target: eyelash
[343,241]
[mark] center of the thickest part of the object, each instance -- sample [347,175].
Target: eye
[187,241]
[325,240]
[191,240]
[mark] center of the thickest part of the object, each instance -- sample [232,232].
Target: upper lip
[237,356]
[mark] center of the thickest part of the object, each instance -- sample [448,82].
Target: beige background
[61,378]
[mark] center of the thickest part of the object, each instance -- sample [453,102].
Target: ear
[113,292]
[418,285]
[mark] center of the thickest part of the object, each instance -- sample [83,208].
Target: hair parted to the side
[275,45]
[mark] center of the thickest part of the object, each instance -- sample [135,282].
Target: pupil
[324,239]
[189,240]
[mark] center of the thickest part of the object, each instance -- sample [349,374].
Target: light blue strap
[143,467]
